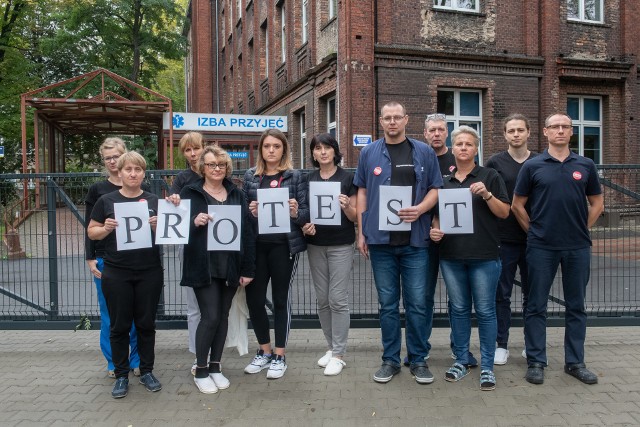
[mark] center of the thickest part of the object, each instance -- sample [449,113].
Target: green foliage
[84,324]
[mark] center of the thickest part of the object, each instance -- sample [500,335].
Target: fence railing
[45,282]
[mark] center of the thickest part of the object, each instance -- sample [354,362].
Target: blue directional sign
[361,140]
[1,151]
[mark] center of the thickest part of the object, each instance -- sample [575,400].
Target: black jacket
[294,180]
[195,267]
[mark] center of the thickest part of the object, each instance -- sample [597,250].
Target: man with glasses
[513,240]
[556,184]
[398,161]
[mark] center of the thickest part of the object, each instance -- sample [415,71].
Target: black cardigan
[195,265]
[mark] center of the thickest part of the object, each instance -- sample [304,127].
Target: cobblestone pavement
[58,378]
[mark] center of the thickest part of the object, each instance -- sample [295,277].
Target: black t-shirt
[95,248]
[447,163]
[135,259]
[402,174]
[484,242]
[218,260]
[272,181]
[184,178]
[508,169]
[331,235]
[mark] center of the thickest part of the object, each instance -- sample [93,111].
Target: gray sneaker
[150,382]
[386,372]
[120,388]
[422,374]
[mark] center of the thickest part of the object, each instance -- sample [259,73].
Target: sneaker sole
[148,389]
[423,380]
[487,388]
[280,374]
[258,371]
[119,397]
[383,380]
[206,391]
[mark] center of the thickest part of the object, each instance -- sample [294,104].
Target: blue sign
[238,154]
[1,151]
[361,140]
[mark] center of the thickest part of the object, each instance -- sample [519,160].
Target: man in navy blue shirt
[557,184]
[396,160]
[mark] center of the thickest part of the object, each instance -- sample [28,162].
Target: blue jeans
[512,256]
[105,325]
[543,266]
[472,282]
[389,265]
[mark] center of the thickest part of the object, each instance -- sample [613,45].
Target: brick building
[328,65]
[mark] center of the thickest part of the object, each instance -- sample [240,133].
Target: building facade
[329,65]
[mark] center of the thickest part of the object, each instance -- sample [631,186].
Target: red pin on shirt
[274,183]
[577,176]
[377,171]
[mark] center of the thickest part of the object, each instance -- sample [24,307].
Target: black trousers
[132,297]
[214,302]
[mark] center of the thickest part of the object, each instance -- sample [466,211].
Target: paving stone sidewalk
[58,378]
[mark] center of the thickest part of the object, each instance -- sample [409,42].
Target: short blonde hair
[134,158]
[195,139]
[113,142]
[219,154]
[469,131]
[285,161]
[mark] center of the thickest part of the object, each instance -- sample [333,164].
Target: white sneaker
[220,380]
[259,362]
[277,368]
[334,367]
[501,356]
[524,353]
[324,360]
[193,367]
[206,385]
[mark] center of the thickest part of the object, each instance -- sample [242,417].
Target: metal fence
[45,282]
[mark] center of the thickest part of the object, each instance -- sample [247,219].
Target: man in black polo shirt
[556,184]
[513,240]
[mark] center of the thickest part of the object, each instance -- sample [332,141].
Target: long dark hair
[328,140]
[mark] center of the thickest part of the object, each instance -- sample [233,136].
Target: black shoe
[580,372]
[386,372]
[120,388]
[422,373]
[535,373]
[150,382]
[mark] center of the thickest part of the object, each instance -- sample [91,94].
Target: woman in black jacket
[214,275]
[276,254]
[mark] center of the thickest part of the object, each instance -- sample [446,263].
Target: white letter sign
[273,211]
[392,199]
[133,230]
[325,203]
[455,211]
[225,231]
[173,223]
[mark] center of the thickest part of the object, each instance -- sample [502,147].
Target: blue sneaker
[120,388]
[150,382]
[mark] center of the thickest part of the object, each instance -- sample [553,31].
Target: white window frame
[239,8]
[456,5]
[332,125]
[333,6]
[457,119]
[283,31]
[303,138]
[581,124]
[581,12]
[305,21]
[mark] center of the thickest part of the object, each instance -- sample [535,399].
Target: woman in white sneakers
[330,253]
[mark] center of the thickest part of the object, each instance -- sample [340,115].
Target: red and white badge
[274,183]
[377,171]
[451,168]
[577,176]
[142,200]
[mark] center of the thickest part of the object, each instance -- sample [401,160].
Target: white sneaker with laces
[334,367]
[193,367]
[220,380]
[259,362]
[206,385]
[277,368]
[501,356]
[324,360]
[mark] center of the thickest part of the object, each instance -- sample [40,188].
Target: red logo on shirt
[274,183]
[377,171]
[577,176]
[142,200]
[451,168]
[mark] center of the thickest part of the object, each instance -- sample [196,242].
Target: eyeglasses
[436,116]
[110,159]
[557,127]
[389,119]
[214,166]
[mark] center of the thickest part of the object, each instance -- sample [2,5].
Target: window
[586,114]
[265,53]
[303,139]
[333,8]
[585,10]
[283,32]
[331,116]
[305,22]
[239,7]
[464,5]
[462,107]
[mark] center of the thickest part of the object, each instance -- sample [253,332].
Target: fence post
[53,247]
